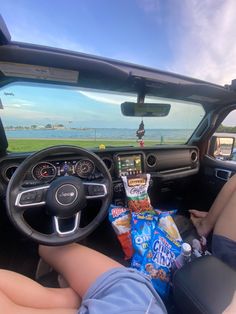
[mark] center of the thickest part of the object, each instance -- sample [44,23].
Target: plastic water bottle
[184,257]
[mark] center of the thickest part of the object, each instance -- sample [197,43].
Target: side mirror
[221,147]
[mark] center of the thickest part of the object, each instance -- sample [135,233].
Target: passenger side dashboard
[160,162]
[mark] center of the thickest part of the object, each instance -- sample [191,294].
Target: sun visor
[38,72]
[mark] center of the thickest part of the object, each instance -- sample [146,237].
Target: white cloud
[111,99]
[201,35]
[208,49]
[17,113]
[17,103]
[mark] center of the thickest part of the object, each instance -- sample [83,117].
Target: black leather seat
[206,285]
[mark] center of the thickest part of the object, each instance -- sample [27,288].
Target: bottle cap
[186,248]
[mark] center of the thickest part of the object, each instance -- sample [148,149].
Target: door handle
[223,174]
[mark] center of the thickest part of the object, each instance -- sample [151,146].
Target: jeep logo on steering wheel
[66,194]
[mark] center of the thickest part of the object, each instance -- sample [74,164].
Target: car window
[40,115]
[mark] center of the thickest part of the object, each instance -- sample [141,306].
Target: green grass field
[30,145]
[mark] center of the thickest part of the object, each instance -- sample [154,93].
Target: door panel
[213,175]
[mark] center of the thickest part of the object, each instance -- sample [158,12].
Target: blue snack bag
[142,225]
[159,258]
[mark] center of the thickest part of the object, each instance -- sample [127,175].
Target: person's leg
[26,292]
[224,234]
[9,307]
[79,265]
[225,224]
[205,222]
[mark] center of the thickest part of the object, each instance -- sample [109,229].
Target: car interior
[183,176]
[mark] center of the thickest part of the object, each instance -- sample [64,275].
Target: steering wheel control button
[66,194]
[39,196]
[95,190]
[28,198]
[32,197]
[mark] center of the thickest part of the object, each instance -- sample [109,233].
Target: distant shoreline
[105,134]
[72,139]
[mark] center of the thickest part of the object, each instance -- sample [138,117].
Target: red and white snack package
[120,219]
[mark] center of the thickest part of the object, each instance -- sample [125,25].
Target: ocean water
[102,133]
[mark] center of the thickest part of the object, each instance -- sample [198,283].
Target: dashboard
[164,163]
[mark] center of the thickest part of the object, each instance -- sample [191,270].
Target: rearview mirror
[131,109]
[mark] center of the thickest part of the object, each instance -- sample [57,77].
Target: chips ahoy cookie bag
[155,250]
[120,219]
[159,259]
[136,191]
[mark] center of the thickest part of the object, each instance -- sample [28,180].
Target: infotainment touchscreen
[129,164]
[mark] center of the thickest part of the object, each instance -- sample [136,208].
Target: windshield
[41,115]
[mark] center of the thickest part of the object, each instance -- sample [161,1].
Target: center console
[126,165]
[204,286]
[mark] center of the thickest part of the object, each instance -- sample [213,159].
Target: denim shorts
[224,249]
[122,290]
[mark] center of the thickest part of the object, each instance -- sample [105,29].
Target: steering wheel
[63,199]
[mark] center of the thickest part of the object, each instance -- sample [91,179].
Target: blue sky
[192,37]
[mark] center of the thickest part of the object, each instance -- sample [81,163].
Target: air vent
[9,171]
[194,156]
[151,160]
[108,162]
